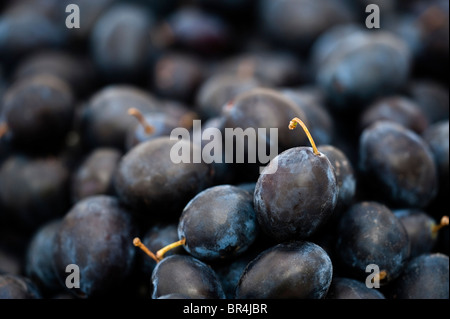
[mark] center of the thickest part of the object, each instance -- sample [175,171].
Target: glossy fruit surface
[301,270]
[297,195]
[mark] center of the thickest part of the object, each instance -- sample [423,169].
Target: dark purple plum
[296,24]
[298,269]
[370,234]
[26,28]
[120,42]
[186,275]
[176,76]
[96,235]
[75,69]
[258,110]
[39,259]
[94,176]
[194,29]
[422,228]
[218,223]
[218,89]
[296,193]
[437,137]
[363,66]
[150,180]
[270,67]
[350,288]
[18,287]
[398,109]
[425,277]
[48,103]
[104,120]
[431,97]
[397,165]
[346,175]
[34,190]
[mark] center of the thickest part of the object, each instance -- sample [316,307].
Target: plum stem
[138,243]
[293,125]
[3,129]
[444,222]
[160,253]
[141,119]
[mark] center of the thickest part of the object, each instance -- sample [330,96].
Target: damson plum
[437,137]
[398,109]
[76,70]
[188,276]
[39,258]
[96,235]
[218,223]
[218,89]
[369,233]
[422,228]
[120,41]
[177,76]
[25,29]
[363,65]
[94,176]
[18,287]
[48,103]
[297,23]
[397,164]
[299,269]
[345,175]
[271,68]
[431,97]
[104,120]
[350,288]
[197,30]
[150,180]
[259,109]
[34,190]
[296,193]
[425,277]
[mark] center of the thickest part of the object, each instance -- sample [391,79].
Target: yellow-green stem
[293,125]
[160,253]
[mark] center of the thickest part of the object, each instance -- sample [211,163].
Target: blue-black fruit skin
[345,175]
[150,182]
[369,233]
[188,276]
[118,24]
[425,277]
[362,67]
[297,269]
[397,164]
[97,236]
[39,258]
[104,120]
[418,224]
[437,137]
[18,287]
[219,223]
[299,197]
[350,288]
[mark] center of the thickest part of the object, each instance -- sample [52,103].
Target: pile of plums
[119,176]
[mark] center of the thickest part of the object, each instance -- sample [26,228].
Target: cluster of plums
[352,203]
